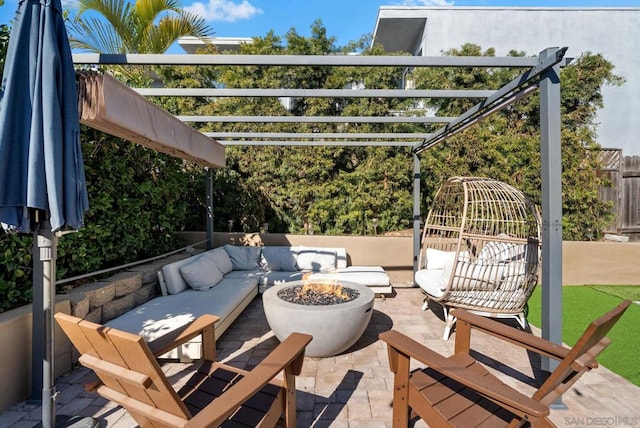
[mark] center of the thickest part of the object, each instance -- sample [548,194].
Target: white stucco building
[612,32]
[191,44]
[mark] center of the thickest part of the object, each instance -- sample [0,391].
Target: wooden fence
[624,192]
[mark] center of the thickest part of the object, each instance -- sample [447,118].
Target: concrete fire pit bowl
[334,327]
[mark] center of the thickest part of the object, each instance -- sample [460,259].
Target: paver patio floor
[354,389]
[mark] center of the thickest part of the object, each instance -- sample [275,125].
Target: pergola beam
[316,119]
[319,135]
[501,98]
[305,60]
[314,93]
[341,143]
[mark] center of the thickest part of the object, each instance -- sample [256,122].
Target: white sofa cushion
[429,281]
[245,274]
[373,276]
[164,314]
[502,251]
[513,274]
[244,258]
[437,258]
[316,259]
[472,275]
[271,278]
[202,273]
[277,258]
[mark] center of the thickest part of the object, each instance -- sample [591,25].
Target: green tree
[5,32]
[135,194]
[506,146]
[118,26]
[140,198]
[335,189]
[339,189]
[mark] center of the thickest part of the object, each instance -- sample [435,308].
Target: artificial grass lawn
[583,304]
[631,292]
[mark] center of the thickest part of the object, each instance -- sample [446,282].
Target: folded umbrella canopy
[42,183]
[40,158]
[114,108]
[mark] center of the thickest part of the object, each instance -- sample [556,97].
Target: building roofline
[536,8]
[191,44]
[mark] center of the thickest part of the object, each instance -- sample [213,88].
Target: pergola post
[416,212]
[209,208]
[551,159]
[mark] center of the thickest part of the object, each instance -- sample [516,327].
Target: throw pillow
[429,281]
[514,274]
[481,276]
[316,259]
[221,259]
[278,259]
[244,258]
[501,251]
[437,258]
[447,268]
[446,273]
[201,274]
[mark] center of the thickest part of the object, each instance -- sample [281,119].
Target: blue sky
[344,19]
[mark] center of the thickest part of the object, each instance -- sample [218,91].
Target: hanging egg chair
[480,249]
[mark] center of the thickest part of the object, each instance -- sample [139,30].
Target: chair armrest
[467,321]
[203,325]
[501,394]
[287,356]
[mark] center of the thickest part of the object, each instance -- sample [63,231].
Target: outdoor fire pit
[335,314]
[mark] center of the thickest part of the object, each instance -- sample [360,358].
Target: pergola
[539,73]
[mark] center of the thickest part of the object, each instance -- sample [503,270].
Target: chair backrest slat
[85,336]
[128,351]
[582,356]
[140,359]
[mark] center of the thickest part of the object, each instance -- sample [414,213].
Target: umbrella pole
[48,245]
[37,336]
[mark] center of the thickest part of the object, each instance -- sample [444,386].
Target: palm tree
[143,27]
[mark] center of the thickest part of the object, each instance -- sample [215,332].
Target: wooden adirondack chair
[460,392]
[216,395]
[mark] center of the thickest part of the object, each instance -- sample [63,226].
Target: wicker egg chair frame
[488,234]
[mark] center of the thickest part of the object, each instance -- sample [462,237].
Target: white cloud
[224,10]
[428,2]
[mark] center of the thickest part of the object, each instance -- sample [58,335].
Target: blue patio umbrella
[42,184]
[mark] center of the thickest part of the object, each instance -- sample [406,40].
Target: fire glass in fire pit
[335,322]
[318,293]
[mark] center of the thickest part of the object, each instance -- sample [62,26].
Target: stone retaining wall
[99,301]
[104,300]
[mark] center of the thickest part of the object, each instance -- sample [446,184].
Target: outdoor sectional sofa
[223,281]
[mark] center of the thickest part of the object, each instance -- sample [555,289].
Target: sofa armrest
[163,284]
[341,258]
[203,325]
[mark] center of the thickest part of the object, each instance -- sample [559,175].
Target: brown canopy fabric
[109,106]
